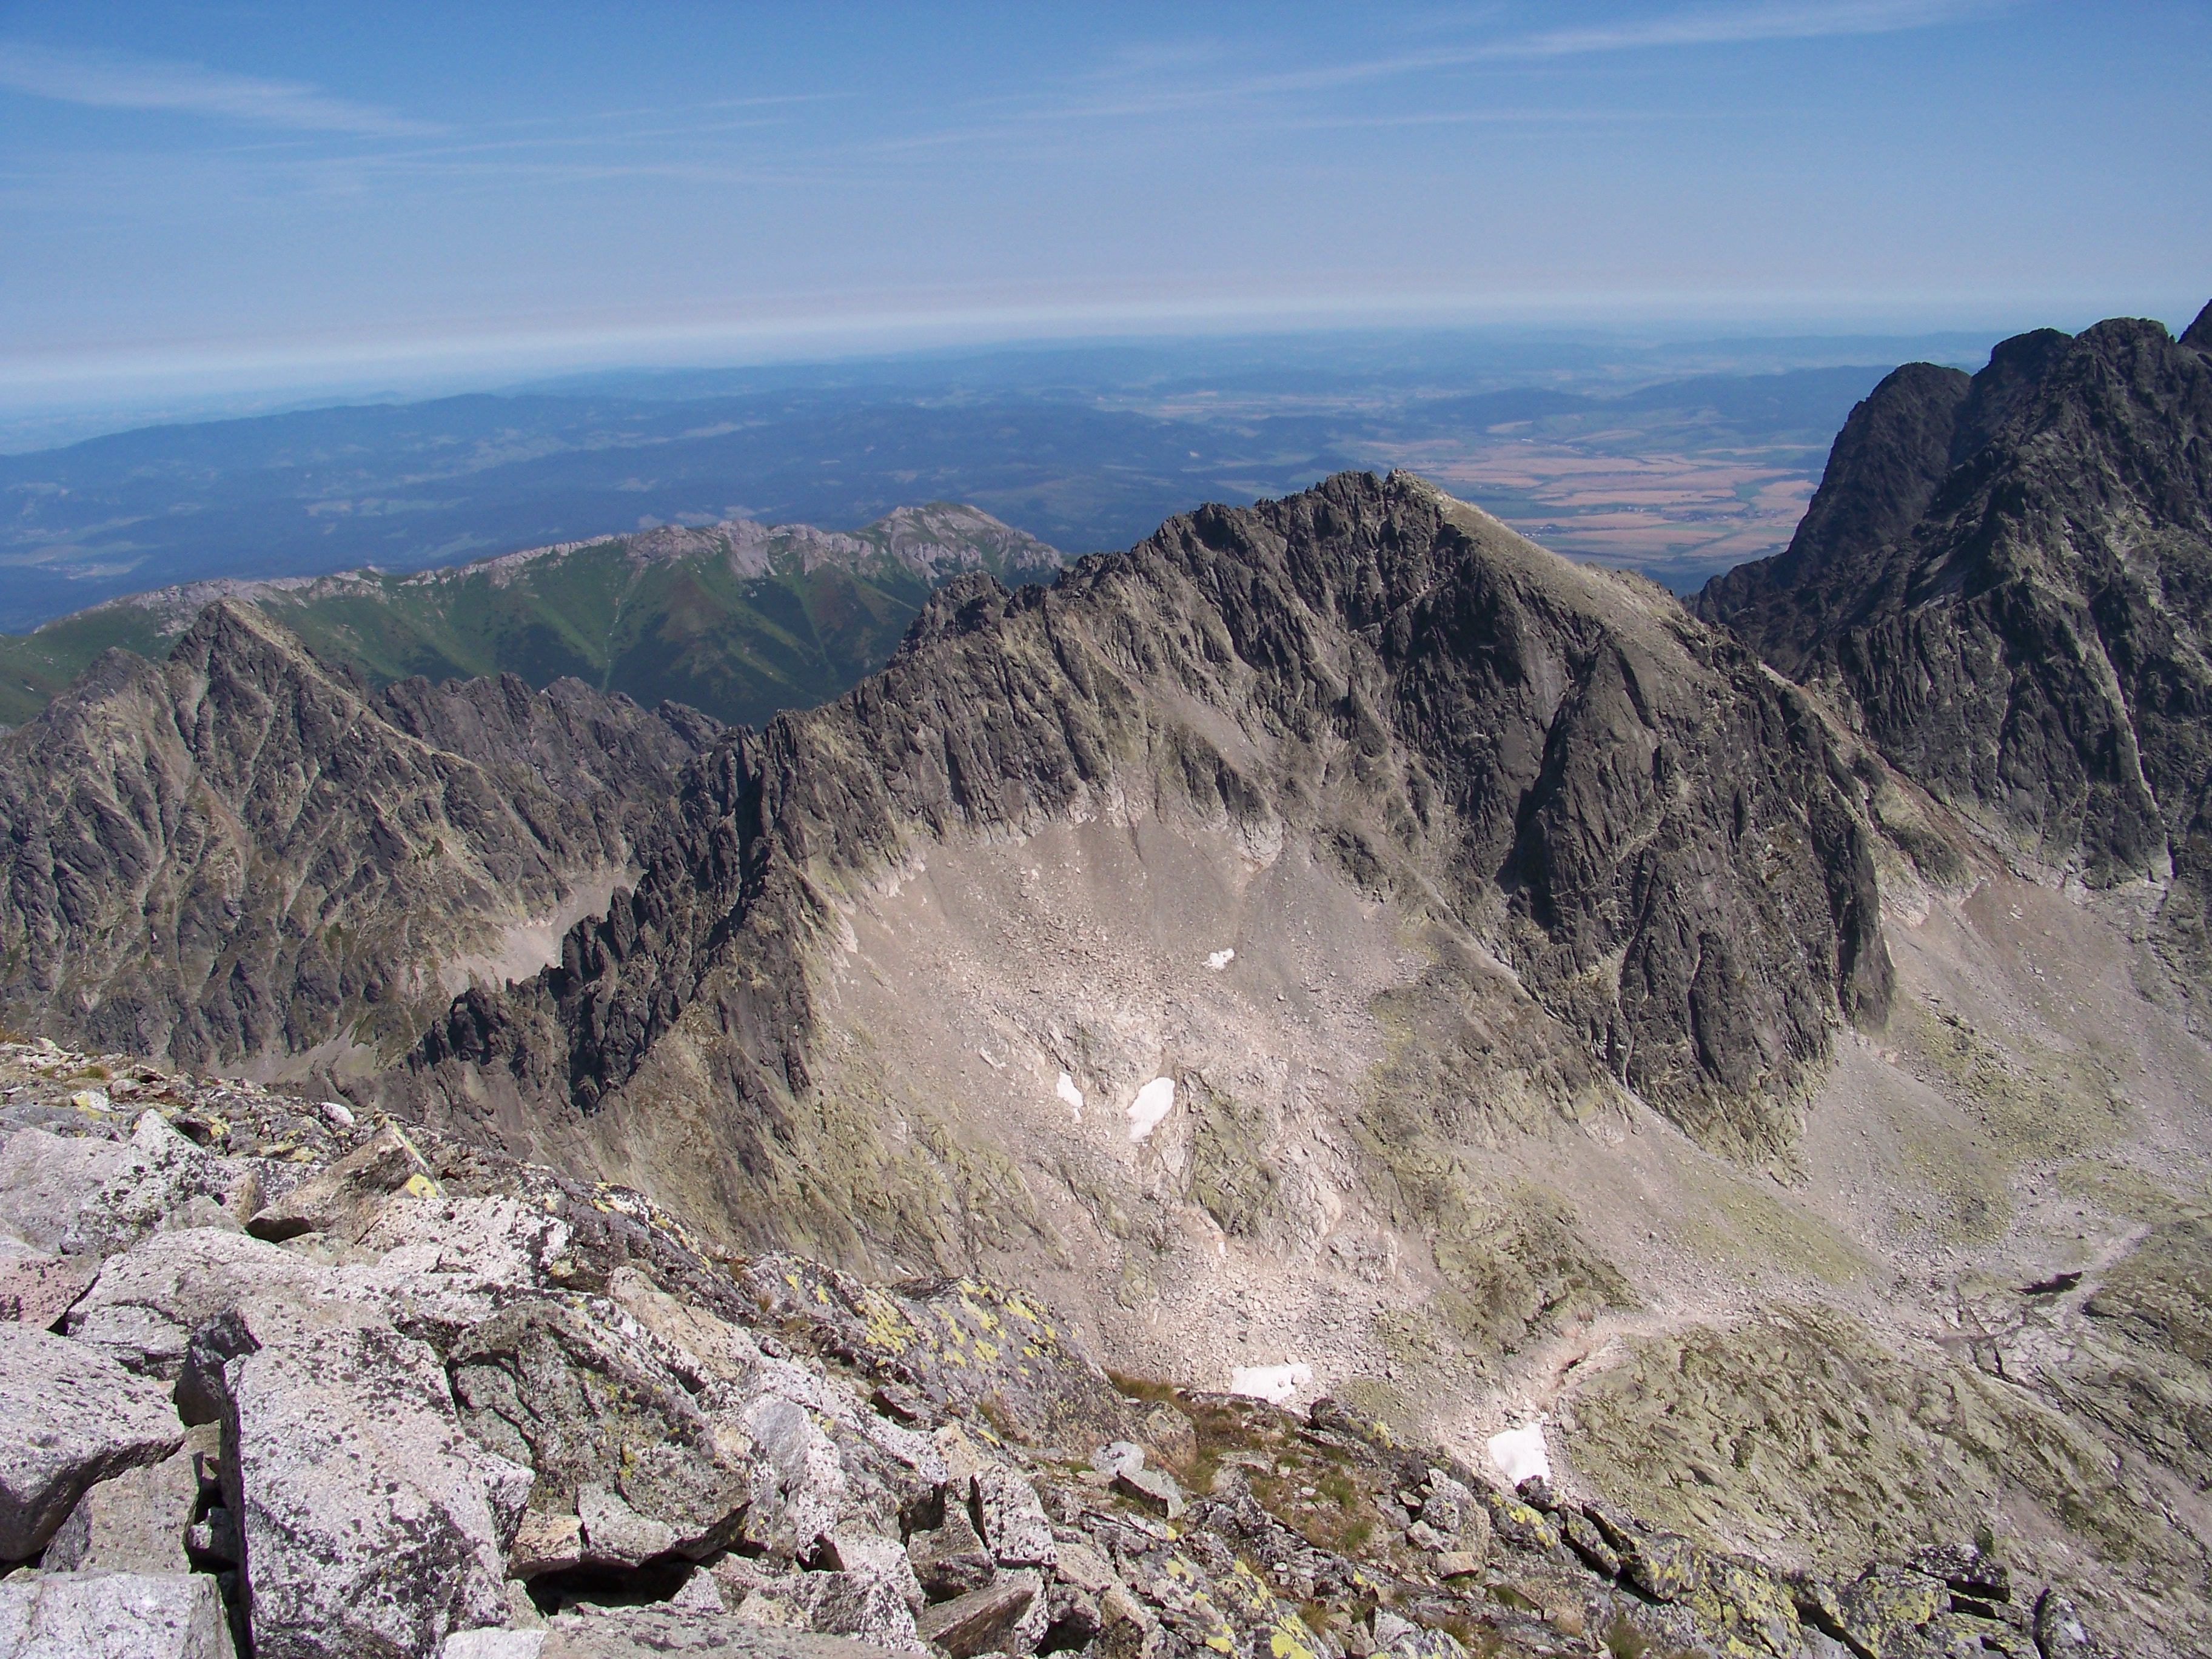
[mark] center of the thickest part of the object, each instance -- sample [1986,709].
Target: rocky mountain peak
[2198,335]
[2027,639]
[241,855]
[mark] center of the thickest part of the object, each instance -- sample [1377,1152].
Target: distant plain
[1679,458]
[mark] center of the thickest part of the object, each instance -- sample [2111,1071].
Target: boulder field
[281,1379]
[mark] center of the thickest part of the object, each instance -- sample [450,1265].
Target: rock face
[69,1416]
[1553,765]
[367,1519]
[2007,582]
[240,855]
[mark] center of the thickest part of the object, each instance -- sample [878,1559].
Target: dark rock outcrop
[1552,761]
[239,856]
[2008,582]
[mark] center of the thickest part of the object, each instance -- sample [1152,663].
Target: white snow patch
[1068,1092]
[1272,1383]
[1220,959]
[1519,1455]
[1153,1102]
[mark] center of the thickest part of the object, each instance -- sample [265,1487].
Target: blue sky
[224,192]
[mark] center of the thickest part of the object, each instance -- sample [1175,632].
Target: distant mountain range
[410,486]
[737,619]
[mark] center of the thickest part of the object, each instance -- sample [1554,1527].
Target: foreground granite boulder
[650,1633]
[112,1615]
[69,1416]
[136,1522]
[370,1522]
[77,1195]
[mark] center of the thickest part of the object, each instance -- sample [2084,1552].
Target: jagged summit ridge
[2008,583]
[1553,765]
[242,857]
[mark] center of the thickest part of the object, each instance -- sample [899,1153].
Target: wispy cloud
[1707,26]
[103,82]
[1743,25]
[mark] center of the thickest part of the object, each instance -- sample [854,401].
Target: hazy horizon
[214,205]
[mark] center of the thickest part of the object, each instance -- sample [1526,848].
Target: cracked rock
[69,1417]
[112,1615]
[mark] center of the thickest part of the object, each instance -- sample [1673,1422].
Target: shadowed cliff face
[1545,768]
[239,858]
[2009,582]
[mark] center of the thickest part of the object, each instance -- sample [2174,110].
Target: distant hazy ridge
[738,619]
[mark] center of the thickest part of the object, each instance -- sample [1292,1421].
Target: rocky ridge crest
[2006,583]
[240,856]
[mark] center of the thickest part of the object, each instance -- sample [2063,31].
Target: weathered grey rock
[799,1486]
[213,1540]
[1155,1488]
[543,1387]
[2061,1631]
[1116,1455]
[982,1621]
[69,1416]
[497,1240]
[37,1289]
[493,1644]
[1013,1524]
[666,1632]
[345,1200]
[545,1542]
[1084,1567]
[1446,1504]
[84,1196]
[145,1305]
[112,1615]
[718,1347]
[951,1560]
[1132,1629]
[1072,1617]
[883,1560]
[616,1534]
[1885,1605]
[964,1340]
[867,1606]
[1402,1640]
[1170,1435]
[134,1522]
[370,1522]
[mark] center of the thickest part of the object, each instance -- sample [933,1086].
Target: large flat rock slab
[112,1615]
[69,1416]
[370,1522]
[145,1305]
[84,1195]
[652,1632]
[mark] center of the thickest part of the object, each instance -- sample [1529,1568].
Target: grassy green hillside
[738,619]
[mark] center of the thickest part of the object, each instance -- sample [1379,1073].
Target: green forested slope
[738,619]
